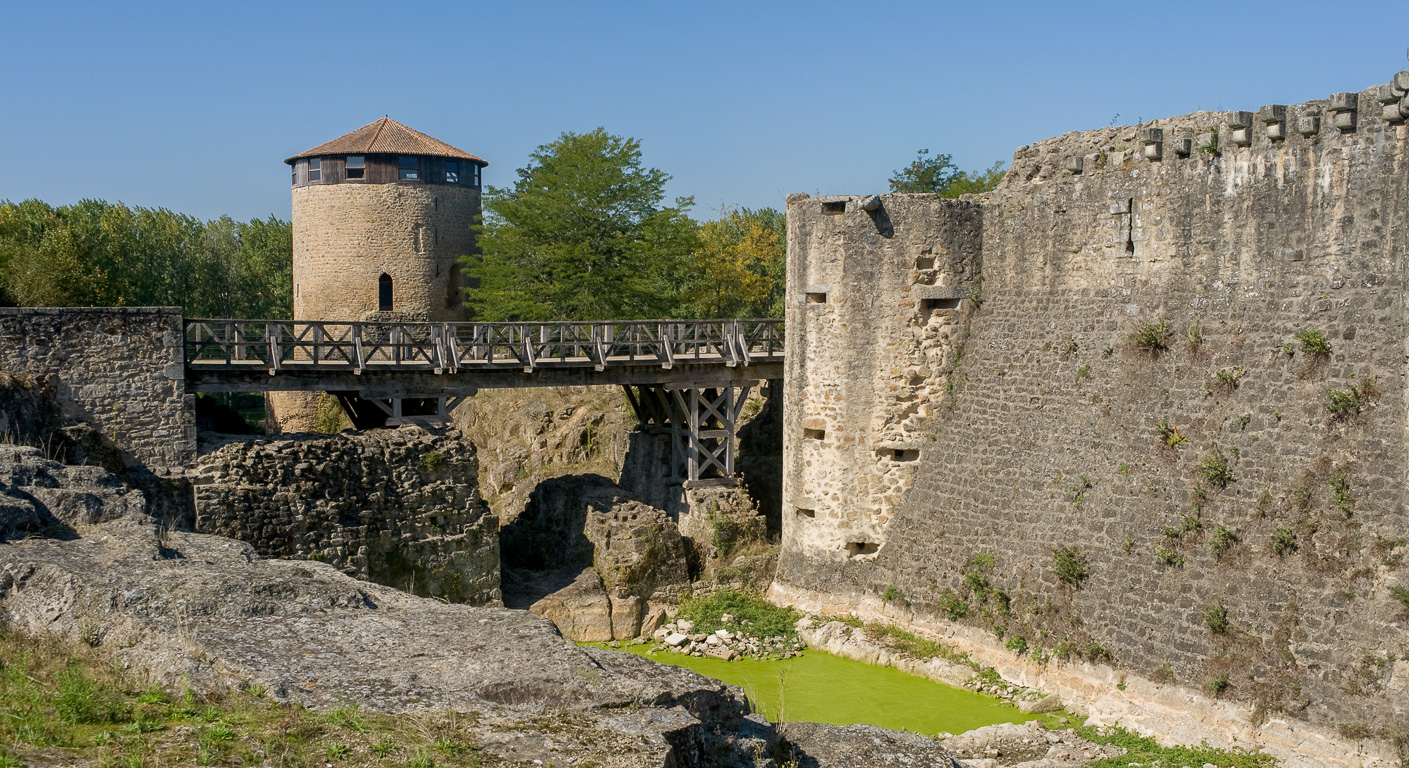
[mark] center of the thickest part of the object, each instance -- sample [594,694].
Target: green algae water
[818,687]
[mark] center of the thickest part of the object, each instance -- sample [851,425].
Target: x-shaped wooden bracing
[702,423]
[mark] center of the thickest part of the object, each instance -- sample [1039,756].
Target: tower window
[474,175]
[295,174]
[452,171]
[315,169]
[356,166]
[452,288]
[408,168]
[384,293]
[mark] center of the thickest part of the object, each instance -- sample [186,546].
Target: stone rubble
[678,637]
[1026,745]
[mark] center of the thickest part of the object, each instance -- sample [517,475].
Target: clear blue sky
[193,105]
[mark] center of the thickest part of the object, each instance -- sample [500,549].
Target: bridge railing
[448,347]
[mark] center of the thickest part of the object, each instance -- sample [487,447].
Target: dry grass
[66,703]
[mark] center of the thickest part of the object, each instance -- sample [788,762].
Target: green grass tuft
[1152,337]
[1069,565]
[767,619]
[1140,750]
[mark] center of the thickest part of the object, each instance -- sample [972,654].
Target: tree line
[585,232]
[101,254]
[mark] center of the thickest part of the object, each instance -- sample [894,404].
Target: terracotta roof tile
[386,136]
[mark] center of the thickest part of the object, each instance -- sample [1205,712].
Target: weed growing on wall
[1216,686]
[1152,337]
[976,578]
[433,460]
[1313,343]
[1168,556]
[1344,403]
[1228,378]
[953,606]
[1340,486]
[1284,542]
[1401,594]
[1216,619]
[1170,434]
[1214,468]
[1223,539]
[1194,336]
[891,595]
[1017,644]
[1069,565]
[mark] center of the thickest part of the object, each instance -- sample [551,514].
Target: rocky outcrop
[210,611]
[528,436]
[814,745]
[397,507]
[593,559]
[40,496]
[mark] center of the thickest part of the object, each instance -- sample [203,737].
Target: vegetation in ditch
[1142,751]
[764,618]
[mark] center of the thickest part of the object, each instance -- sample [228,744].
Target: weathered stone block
[1344,102]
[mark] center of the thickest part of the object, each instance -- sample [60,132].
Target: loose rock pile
[1025,745]
[679,636]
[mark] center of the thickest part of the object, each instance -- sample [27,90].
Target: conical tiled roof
[386,136]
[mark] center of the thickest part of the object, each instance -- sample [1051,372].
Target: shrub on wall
[1069,565]
[1313,342]
[1152,337]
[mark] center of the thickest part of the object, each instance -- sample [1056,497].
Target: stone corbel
[1343,108]
[1239,124]
[1274,117]
[1152,139]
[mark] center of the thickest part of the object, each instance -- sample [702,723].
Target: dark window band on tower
[408,168]
[356,166]
[384,293]
[452,172]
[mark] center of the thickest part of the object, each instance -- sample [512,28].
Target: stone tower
[380,218]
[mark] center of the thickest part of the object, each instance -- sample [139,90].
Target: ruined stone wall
[878,303]
[397,507]
[347,235]
[1132,391]
[119,369]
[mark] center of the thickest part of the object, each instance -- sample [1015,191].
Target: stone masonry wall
[119,369]
[1138,470]
[880,308]
[397,507]
[347,235]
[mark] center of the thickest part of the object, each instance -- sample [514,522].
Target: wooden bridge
[689,377]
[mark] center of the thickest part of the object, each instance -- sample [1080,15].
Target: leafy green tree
[95,253]
[740,265]
[937,174]
[584,233]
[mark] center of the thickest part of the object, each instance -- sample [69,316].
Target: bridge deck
[427,359]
